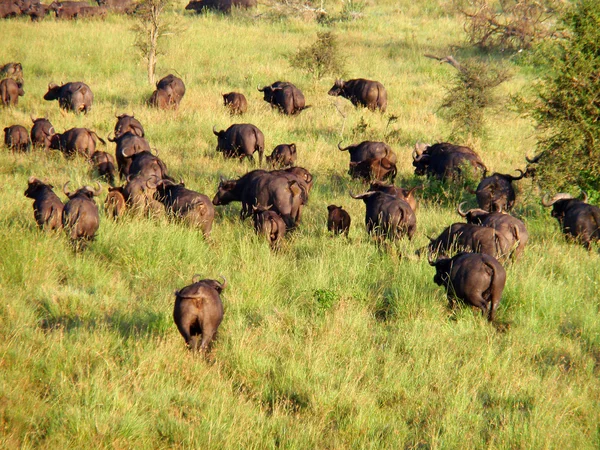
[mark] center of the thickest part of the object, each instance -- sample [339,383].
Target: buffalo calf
[284,155]
[80,216]
[269,224]
[338,220]
[16,138]
[236,102]
[42,132]
[10,91]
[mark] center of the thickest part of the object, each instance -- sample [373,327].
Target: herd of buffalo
[275,198]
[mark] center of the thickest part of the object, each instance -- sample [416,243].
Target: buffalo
[284,155]
[369,149]
[387,215]
[473,238]
[17,138]
[139,192]
[125,6]
[67,9]
[41,133]
[236,102]
[10,91]
[47,207]
[367,93]
[284,96]
[284,191]
[241,140]
[511,228]
[496,192]
[12,8]
[269,224]
[75,96]
[115,205]
[219,5]
[128,145]
[577,219]
[444,161]
[198,312]
[38,11]
[338,220]
[80,216]
[474,278]
[104,164]
[169,92]
[408,195]
[147,165]
[12,70]
[195,208]
[76,140]
[127,124]
[374,169]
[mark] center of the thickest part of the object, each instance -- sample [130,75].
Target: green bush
[567,104]
[321,58]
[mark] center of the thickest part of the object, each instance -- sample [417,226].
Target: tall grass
[328,343]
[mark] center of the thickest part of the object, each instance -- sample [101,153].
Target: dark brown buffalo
[76,140]
[16,138]
[474,278]
[128,145]
[284,96]
[121,6]
[104,164]
[283,191]
[10,91]
[473,238]
[42,132]
[219,5]
[369,149]
[338,220]
[284,155]
[198,312]
[577,219]
[269,224]
[194,208]
[10,8]
[387,216]
[169,92]
[127,124]
[241,141]
[115,205]
[236,102]
[38,11]
[66,9]
[361,92]
[444,160]
[47,207]
[147,166]
[139,193]
[80,216]
[379,169]
[12,70]
[73,96]
[408,195]
[511,228]
[496,192]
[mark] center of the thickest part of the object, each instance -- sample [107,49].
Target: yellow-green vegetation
[327,343]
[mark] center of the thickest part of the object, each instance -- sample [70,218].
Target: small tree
[471,93]
[567,105]
[506,24]
[150,28]
[321,58]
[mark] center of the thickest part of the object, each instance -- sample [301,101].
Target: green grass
[328,343]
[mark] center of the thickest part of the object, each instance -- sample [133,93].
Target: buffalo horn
[585,197]
[534,159]
[32,119]
[215,131]
[65,191]
[416,156]
[98,190]
[339,146]
[430,259]
[32,180]
[554,199]
[151,184]
[224,283]
[197,277]
[109,138]
[363,195]
[520,176]
[460,211]
[259,89]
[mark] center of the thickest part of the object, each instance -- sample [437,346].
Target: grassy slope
[327,343]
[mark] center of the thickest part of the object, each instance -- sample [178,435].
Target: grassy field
[328,343]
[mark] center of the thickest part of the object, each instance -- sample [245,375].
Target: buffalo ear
[293,148]
[295,188]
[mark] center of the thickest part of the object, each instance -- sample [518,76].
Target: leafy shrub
[567,106]
[321,58]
